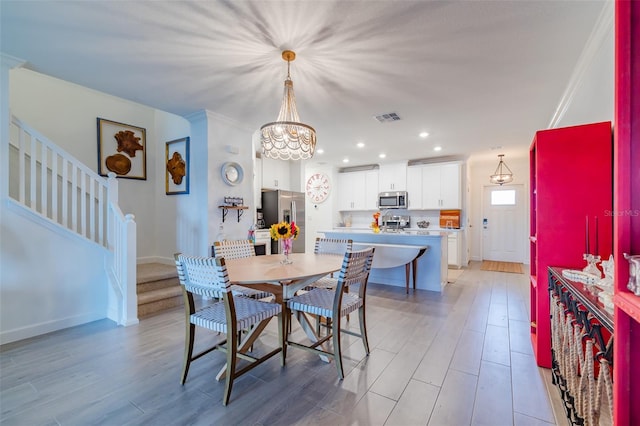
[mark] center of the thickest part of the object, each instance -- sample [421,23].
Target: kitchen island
[431,271]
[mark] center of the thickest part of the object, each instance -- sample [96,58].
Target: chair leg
[337,350]
[232,349]
[363,328]
[190,334]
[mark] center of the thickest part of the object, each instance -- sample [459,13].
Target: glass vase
[285,248]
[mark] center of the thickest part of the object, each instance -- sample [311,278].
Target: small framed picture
[177,166]
[122,149]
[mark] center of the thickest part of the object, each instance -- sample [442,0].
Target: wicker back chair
[237,249]
[337,303]
[207,276]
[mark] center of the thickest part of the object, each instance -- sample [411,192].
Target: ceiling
[476,75]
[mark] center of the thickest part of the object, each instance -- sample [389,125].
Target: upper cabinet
[393,177]
[358,190]
[275,174]
[435,186]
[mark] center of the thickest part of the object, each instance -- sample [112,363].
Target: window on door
[505,197]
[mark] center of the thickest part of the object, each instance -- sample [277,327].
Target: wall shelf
[225,209]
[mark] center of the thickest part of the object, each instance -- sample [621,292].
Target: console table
[581,350]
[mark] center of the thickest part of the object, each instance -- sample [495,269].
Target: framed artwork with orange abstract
[177,166]
[122,149]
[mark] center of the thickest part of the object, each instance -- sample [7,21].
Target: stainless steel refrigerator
[288,206]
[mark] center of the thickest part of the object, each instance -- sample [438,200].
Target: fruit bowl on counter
[423,224]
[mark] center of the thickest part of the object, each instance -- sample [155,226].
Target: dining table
[269,273]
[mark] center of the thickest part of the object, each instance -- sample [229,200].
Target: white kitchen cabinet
[275,174]
[434,186]
[454,252]
[414,187]
[393,177]
[451,186]
[358,190]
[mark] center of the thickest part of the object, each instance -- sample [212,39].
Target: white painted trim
[29,214]
[48,327]
[598,35]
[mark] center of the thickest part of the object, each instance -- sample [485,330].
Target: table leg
[406,279]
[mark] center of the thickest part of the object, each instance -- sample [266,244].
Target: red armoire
[571,191]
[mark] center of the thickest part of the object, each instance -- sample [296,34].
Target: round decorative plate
[232,173]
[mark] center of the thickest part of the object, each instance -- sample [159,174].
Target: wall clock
[318,187]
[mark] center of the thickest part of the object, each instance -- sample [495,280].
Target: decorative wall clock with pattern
[318,187]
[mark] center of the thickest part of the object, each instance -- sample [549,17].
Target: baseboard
[156,259]
[34,330]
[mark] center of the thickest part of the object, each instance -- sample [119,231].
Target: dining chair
[236,249]
[332,246]
[337,303]
[206,276]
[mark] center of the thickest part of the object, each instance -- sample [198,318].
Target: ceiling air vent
[387,118]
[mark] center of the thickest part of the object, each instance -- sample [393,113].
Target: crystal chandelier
[503,173]
[287,138]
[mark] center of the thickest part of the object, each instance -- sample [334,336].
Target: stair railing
[60,189]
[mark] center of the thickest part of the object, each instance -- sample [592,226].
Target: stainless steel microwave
[393,200]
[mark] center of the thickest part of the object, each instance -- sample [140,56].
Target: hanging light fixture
[287,138]
[503,173]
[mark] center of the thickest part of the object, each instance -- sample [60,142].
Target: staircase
[158,288]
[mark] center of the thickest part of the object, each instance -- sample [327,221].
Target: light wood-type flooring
[457,358]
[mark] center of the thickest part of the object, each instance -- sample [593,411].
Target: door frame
[525,223]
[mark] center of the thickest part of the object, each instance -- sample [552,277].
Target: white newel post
[131,298]
[122,244]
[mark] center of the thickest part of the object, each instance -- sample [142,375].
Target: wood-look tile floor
[462,357]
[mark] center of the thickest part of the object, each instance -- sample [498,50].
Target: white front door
[503,224]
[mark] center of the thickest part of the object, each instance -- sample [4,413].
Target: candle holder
[592,262]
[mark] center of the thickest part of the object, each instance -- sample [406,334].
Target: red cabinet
[571,180]
[626,381]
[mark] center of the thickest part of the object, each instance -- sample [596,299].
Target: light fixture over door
[287,138]
[503,173]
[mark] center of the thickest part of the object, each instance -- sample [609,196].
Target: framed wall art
[122,149]
[177,166]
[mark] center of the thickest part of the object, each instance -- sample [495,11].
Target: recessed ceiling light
[320,151]
[360,144]
[382,155]
[423,134]
[346,160]
[437,148]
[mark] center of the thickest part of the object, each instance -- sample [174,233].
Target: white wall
[66,113]
[321,216]
[480,170]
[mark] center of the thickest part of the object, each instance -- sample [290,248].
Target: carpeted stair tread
[147,272]
[162,293]
[158,288]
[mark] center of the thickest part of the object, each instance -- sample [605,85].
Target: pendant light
[287,138]
[503,173]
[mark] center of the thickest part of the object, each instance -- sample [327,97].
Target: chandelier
[287,138]
[503,173]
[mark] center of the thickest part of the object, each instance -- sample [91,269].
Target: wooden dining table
[268,273]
